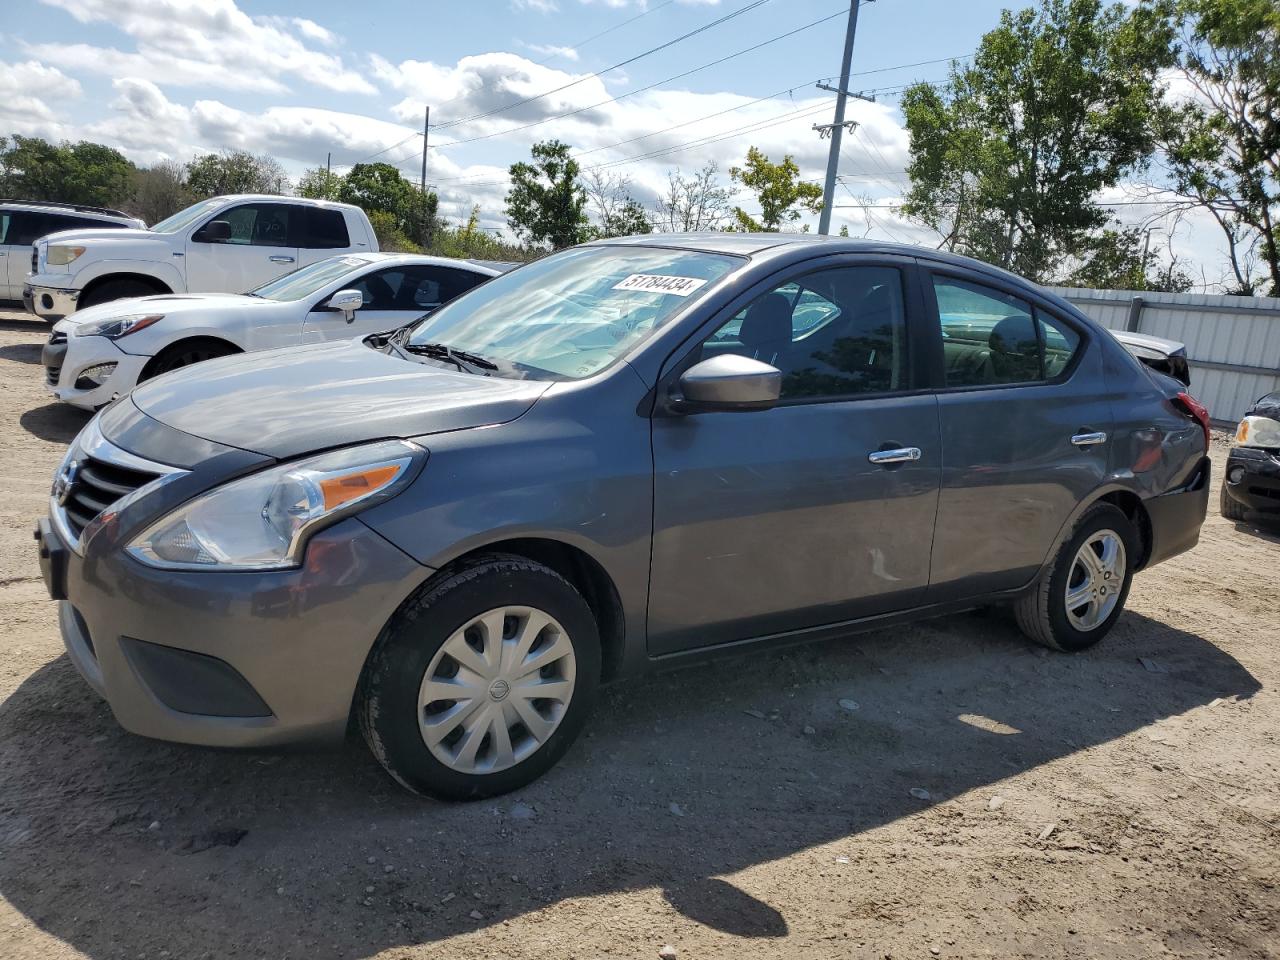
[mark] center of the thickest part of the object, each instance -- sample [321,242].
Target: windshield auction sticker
[656,283]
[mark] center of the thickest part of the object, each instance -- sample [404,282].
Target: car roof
[58,207]
[799,246]
[391,259]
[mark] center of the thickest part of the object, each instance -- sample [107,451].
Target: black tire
[184,353]
[118,290]
[388,709]
[1041,613]
[1231,508]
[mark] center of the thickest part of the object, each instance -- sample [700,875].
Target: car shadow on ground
[1264,528]
[55,422]
[21,352]
[122,846]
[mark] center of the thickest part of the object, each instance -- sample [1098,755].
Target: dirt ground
[1120,803]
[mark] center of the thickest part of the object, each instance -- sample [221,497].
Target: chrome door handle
[282,259]
[1089,439]
[900,455]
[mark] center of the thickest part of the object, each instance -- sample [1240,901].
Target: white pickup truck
[220,245]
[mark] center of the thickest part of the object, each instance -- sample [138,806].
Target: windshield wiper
[459,358]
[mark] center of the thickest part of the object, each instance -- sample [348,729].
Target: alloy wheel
[1095,581]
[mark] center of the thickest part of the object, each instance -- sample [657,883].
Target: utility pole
[422,184]
[328,167]
[836,128]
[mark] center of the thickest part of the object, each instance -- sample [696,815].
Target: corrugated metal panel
[1237,331]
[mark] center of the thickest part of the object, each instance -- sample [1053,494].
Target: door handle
[900,455]
[281,259]
[1089,439]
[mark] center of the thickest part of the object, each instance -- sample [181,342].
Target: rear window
[322,229]
[22,227]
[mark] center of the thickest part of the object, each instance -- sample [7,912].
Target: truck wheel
[183,354]
[1082,594]
[118,290]
[482,681]
[1229,507]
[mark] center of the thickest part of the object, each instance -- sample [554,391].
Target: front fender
[159,270]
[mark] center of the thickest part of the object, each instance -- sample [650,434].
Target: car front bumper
[228,659]
[66,357]
[49,301]
[1257,478]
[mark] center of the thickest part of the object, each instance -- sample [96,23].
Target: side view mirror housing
[728,383]
[215,231]
[347,302]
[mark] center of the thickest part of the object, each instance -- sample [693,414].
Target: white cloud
[537,6]
[551,50]
[26,91]
[207,42]
[313,31]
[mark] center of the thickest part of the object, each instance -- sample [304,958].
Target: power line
[617,66]
[617,26]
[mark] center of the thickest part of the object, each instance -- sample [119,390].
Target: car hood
[285,403]
[77,234]
[169,304]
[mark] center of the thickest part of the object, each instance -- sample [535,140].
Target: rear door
[259,249]
[318,233]
[15,257]
[1025,423]
[780,519]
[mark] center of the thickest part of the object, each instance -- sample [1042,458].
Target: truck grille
[53,367]
[88,486]
[35,258]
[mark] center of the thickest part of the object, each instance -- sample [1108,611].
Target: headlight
[118,327]
[263,521]
[61,256]
[1258,432]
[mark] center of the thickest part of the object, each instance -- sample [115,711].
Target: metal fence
[1233,343]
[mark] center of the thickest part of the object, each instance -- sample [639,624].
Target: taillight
[1197,411]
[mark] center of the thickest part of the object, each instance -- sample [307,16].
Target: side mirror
[346,302]
[215,231]
[728,383]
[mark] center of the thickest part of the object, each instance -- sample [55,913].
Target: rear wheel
[118,290]
[184,354]
[1230,508]
[1081,596]
[479,684]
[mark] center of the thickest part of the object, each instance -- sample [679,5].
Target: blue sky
[167,78]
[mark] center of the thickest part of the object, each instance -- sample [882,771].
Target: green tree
[159,191]
[778,190]
[84,172]
[379,188]
[318,183]
[1222,145]
[617,213]
[546,204]
[235,171]
[1058,103]
[1121,259]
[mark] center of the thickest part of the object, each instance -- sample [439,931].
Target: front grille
[1271,492]
[53,370]
[94,486]
[35,259]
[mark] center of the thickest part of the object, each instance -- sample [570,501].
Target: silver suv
[23,222]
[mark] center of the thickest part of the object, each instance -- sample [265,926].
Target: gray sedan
[624,455]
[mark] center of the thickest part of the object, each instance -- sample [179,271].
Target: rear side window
[22,227]
[992,338]
[320,229]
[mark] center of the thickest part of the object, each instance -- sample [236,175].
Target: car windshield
[184,217]
[573,314]
[304,282]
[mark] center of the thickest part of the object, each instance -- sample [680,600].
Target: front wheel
[1229,507]
[480,683]
[1081,596]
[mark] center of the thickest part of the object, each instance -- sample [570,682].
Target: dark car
[1253,465]
[624,455]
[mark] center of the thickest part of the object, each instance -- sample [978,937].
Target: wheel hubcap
[1093,585]
[496,690]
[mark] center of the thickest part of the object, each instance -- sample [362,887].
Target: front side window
[992,338]
[832,333]
[258,224]
[308,280]
[572,314]
[184,218]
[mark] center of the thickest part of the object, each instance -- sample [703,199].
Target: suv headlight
[61,256]
[263,521]
[118,327]
[1258,432]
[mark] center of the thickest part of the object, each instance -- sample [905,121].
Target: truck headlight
[263,521]
[1258,432]
[60,256]
[118,327]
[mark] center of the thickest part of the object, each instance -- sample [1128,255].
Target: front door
[1025,424]
[393,296]
[782,519]
[259,249]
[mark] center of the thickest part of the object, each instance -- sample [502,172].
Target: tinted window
[21,227]
[258,224]
[988,337]
[320,229]
[418,288]
[5,220]
[837,332]
[1060,343]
